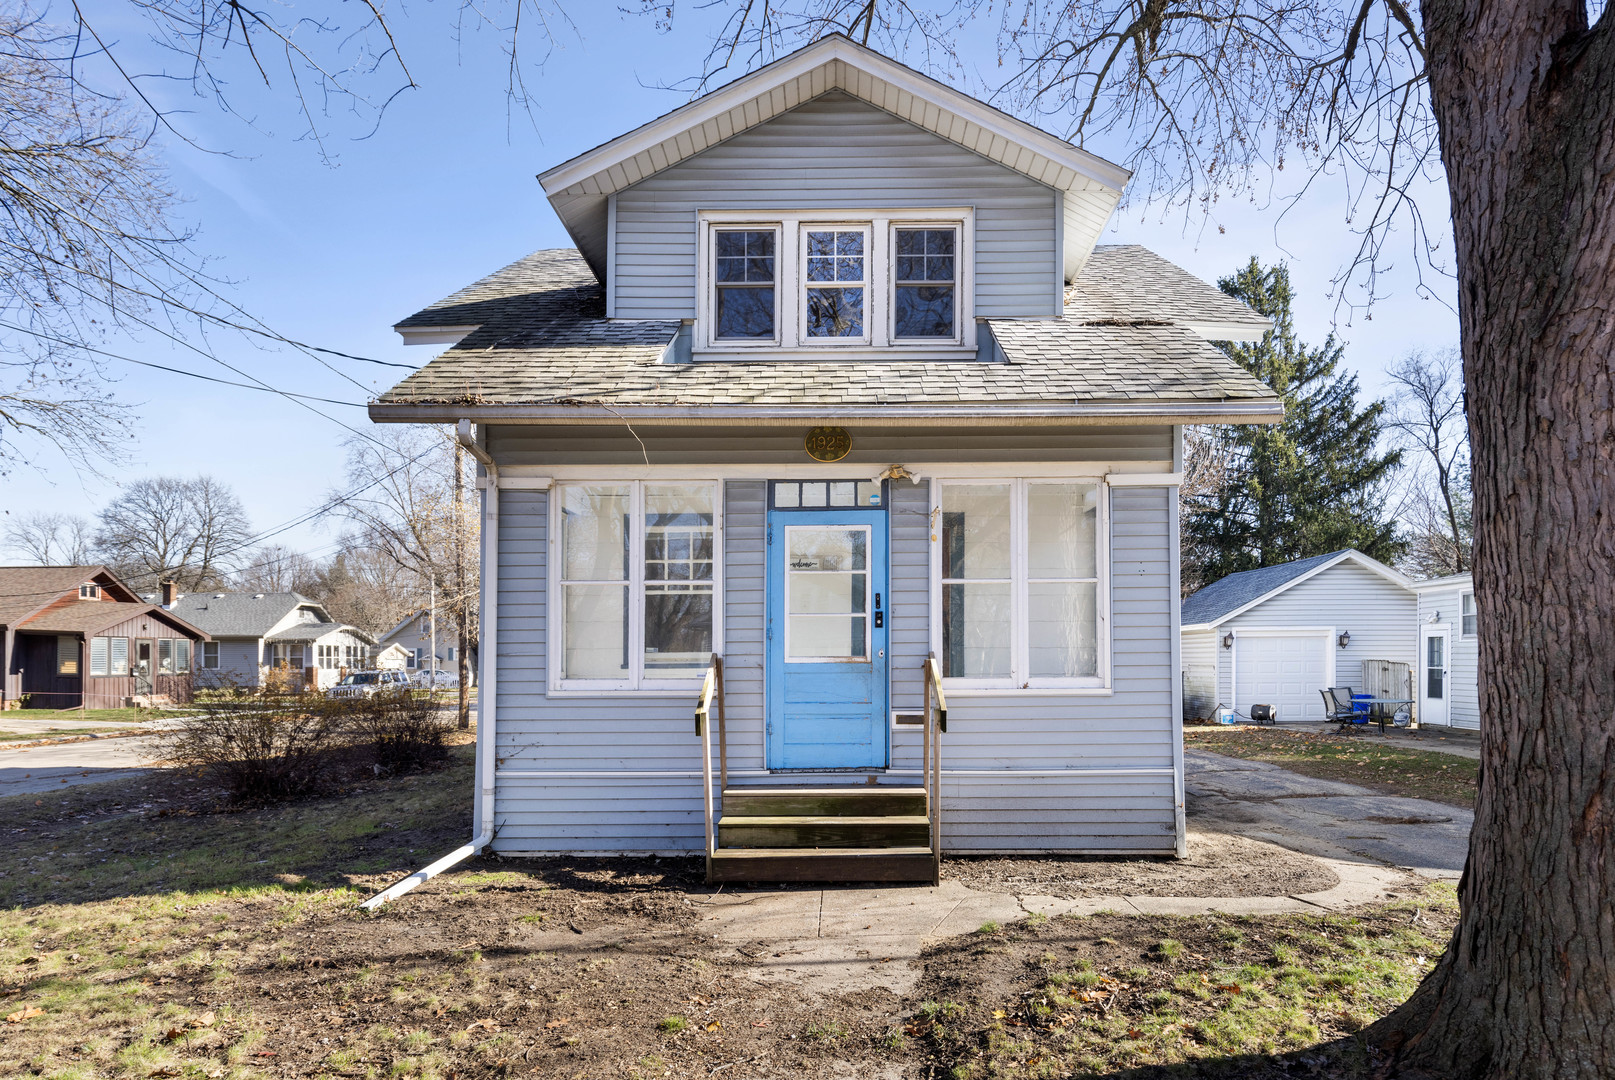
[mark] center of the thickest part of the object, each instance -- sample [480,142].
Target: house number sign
[828,443]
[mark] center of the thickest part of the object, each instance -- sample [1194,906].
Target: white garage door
[1286,672]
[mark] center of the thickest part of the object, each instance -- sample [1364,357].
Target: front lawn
[102,716]
[144,932]
[1395,770]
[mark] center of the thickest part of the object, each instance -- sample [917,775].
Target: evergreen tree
[1309,485]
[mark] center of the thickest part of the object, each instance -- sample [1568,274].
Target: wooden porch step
[842,865]
[828,831]
[871,801]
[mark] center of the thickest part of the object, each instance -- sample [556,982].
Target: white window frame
[89,591]
[636,684]
[209,663]
[709,283]
[1472,613]
[1020,680]
[879,270]
[804,286]
[869,560]
[958,284]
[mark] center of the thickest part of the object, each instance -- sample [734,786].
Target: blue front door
[827,638]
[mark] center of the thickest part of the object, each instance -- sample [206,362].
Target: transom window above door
[867,284]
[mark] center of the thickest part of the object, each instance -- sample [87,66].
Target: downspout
[487,680]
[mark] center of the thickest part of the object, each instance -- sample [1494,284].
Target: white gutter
[964,415]
[487,679]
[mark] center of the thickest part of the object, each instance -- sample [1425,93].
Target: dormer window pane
[926,283]
[743,268]
[836,256]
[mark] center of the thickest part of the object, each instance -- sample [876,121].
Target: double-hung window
[210,655]
[835,284]
[636,583]
[1466,614]
[1022,585]
[925,283]
[744,265]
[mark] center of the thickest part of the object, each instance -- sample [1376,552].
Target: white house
[254,633]
[836,381]
[414,635]
[1279,635]
[1449,655]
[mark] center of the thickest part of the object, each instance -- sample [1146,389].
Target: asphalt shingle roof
[1236,590]
[25,589]
[313,631]
[237,614]
[543,339]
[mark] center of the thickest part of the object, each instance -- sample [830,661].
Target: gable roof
[1237,593]
[91,616]
[544,350]
[24,590]
[578,189]
[240,614]
[313,631]
[405,621]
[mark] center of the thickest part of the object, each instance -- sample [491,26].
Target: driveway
[1322,817]
[51,768]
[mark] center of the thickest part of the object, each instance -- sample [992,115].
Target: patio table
[1382,708]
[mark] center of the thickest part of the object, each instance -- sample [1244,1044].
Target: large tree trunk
[1525,96]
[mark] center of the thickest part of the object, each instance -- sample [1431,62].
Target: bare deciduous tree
[167,528]
[1428,418]
[50,539]
[275,568]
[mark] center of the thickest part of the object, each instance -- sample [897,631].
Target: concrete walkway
[837,940]
[40,769]
[68,722]
[1321,817]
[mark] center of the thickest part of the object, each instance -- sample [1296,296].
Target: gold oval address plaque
[828,443]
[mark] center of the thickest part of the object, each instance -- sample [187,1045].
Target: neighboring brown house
[76,636]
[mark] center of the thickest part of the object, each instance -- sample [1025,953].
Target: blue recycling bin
[1362,708]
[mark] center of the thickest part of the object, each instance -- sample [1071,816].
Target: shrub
[261,747]
[403,732]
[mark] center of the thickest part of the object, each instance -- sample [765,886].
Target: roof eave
[968,414]
[835,47]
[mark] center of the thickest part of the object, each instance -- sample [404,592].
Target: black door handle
[880,616]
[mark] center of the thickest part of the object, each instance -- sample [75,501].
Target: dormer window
[89,591]
[866,285]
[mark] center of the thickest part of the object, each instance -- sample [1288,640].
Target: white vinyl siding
[1377,612]
[1443,605]
[836,153]
[1199,660]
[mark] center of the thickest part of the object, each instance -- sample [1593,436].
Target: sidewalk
[837,940]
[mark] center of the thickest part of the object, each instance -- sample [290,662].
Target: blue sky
[444,192]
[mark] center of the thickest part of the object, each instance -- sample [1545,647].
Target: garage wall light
[1228,640]
[1344,639]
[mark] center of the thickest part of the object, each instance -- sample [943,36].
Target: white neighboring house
[254,632]
[393,657]
[414,635]
[1278,635]
[1449,654]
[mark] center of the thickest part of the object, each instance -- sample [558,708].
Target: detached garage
[1278,635]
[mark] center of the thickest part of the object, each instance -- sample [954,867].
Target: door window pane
[827,593]
[1061,530]
[743,275]
[976,631]
[596,631]
[1435,667]
[975,531]
[594,532]
[1062,626]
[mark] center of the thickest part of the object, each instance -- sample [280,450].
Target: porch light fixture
[1344,639]
[1228,640]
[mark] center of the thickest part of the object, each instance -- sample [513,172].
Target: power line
[242,385]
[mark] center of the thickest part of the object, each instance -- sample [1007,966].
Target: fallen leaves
[553,1023]
[488,1023]
[715,1025]
[25,1014]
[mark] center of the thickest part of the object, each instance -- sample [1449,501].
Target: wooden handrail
[932,759]
[711,691]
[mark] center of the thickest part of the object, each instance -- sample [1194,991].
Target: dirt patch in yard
[1219,864]
[1414,774]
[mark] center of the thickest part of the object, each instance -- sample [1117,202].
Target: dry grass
[1395,770]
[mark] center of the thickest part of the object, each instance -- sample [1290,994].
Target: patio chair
[1337,707]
